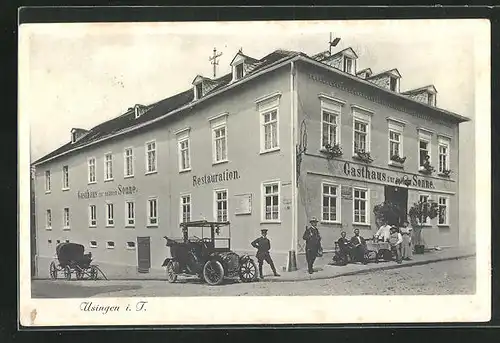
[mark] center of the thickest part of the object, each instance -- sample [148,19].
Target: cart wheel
[93,273]
[248,271]
[213,272]
[371,255]
[171,275]
[67,273]
[79,274]
[53,270]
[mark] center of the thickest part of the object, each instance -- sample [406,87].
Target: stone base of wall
[115,271]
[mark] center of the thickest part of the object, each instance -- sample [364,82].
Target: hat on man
[313,220]
[263,230]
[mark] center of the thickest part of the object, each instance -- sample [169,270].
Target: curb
[366,271]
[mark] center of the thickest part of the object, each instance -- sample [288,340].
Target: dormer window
[238,71]
[139,110]
[394,84]
[74,137]
[431,99]
[238,65]
[76,134]
[348,65]
[198,89]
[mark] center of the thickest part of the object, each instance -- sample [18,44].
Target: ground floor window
[424,198]
[443,211]
[186,208]
[271,193]
[48,218]
[221,205]
[92,216]
[66,218]
[330,204]
[153,212]
[130,213]
[360,206]
[110,214]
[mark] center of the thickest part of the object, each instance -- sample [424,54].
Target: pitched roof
[366,70]
[345,51]
[163,107]
[430,88]
[393,71]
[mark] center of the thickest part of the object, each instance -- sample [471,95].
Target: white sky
[83,74]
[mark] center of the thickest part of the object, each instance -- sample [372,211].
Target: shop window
[221,205]
[443,211]
[271,201]
[331,203]
[186,208]
[361,206]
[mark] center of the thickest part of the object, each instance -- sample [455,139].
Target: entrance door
[399,197]
[143,254]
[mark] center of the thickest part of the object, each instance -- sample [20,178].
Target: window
[360,206]
[129,162]
[360,136]
[185,208]
[48,220]
[424,151]
[93,244]
[110,214]
[153,212]
[270,129]
[394,143]
[221,205]
[184,162]
[348,65]
[443,211]
[220,144]
[330,130]
[271,201]
[199,90]
[129,213]
[150,157]
[110,244]
[331,203]
[92,176]
[424,198]
[49,241]
[108,167]
[131,245]
[444,155]
[66,218]
[394,84]
[92,216]
[239,71]
[431,99]
[65,180]
[47,181]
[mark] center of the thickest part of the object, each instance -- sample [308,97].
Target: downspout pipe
[292,255]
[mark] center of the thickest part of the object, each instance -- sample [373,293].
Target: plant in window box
[426,167]
[396,160]
[418,214]
[332,151]
[363,156]
[445,173]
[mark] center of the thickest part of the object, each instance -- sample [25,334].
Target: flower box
[363,156]
[332,151]
[426,169]
[445,173]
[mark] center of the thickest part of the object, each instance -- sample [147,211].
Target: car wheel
[53,270]
[171,275]
[248,271]
[213,272]
[67,273]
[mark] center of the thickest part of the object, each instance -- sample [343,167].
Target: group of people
[399,239]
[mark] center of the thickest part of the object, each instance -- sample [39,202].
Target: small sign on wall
[243,204]
[346,192]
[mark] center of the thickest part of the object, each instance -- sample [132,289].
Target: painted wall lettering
[120,190]
[215,177]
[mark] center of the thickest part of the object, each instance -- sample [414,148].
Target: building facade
[249,147]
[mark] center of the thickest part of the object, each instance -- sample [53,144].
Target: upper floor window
[153,212]
[129,213]
[110,214]
[108,167]
[218,124]
[361,131]
[92,216]
[66,218]
[271,201]
[393,84]
[238,71]
[186,208]
[128,155]
[394,143]
[65,179]
[431,99]
[221,205]
[444,155]
[150,157]
[269,122]
[47,181]
[330,121]
[198,90]
[424,148]
[348,65]
[91,164]
[48,220]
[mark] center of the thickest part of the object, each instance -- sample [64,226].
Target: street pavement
[452,276]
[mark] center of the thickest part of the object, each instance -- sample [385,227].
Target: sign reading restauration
[215,177]
[120,190]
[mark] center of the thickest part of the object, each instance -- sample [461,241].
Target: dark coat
[312,237]
[343,243]
[354,240]
[262,244]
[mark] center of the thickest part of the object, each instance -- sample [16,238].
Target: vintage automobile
[71,259]
[209,258]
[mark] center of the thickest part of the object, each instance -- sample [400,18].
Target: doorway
[398,196]
[143,254]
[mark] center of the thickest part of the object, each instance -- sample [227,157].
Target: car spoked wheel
[171,275]
[248,271]
[53,270]
[67,273]
[213,272]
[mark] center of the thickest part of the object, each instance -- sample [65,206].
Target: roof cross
[214,60]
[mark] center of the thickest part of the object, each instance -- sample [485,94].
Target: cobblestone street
[447,277]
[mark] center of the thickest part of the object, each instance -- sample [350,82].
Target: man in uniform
[263,245]
[313,243]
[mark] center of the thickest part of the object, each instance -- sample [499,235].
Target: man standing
[383,232]
[313,243]
[263,245]
[358,247]
[395,241]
